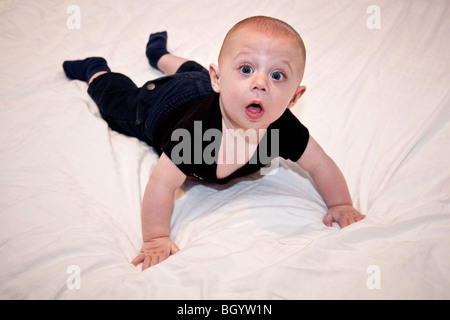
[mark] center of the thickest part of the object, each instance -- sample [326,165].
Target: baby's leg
[159,57]
[117,98]
[169,63]
[96,75]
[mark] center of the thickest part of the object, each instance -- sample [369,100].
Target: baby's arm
[156,212]
[331,185]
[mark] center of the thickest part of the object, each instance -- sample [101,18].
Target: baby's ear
[214,75]
[298,93]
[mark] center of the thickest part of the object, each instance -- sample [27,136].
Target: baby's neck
[238,145]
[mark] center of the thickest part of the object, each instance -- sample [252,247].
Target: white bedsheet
[377,101]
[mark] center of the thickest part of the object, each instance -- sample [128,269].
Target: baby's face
[258,78]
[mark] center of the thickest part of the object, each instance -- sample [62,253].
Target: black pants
[136,111]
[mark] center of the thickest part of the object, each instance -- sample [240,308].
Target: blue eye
[246,70]
[278,76]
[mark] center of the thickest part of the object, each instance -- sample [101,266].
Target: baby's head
[261,65]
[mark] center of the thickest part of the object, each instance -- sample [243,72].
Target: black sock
[156,47]
[85,69]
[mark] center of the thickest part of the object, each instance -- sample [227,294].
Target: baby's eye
[246,70]
[278,76]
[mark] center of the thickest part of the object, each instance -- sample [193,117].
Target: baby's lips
[254,112]
[256,103]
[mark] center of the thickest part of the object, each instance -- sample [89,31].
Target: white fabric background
[377,101]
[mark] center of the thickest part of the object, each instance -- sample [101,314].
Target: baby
[256,81]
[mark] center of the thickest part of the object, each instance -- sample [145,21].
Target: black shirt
[195,153]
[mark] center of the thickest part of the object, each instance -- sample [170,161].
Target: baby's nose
[260,83]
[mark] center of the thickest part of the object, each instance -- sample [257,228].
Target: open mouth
[254,111]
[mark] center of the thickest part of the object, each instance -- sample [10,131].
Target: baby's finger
[351,220]
[328,220]
[138,259]
[343,222]
[174,248]
[146,263]
[154,261]
[158,258]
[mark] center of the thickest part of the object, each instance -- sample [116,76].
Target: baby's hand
[155,251]
[344,215]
